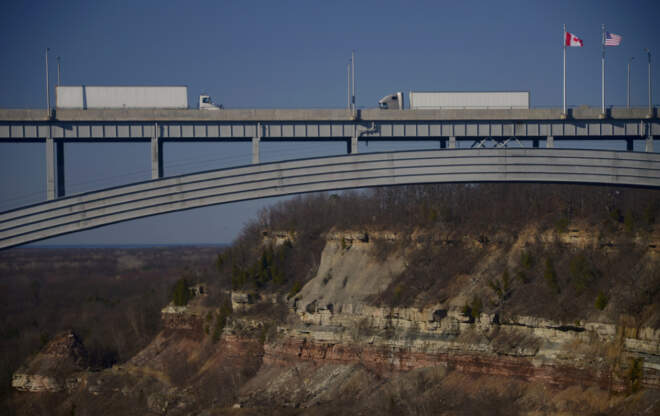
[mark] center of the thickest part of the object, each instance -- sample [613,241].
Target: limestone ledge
[36,383]
[577,235]
[438,329]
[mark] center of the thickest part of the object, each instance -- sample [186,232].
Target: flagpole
[602,98]
[564,78]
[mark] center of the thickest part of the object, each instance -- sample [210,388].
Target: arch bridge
[67,214]
[95,209]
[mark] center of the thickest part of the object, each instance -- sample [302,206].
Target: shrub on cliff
[550,276]
[526,260]
[181,293]
[221,320]
[582,272]
[501,287]
[601,301]
[629,221]
[634,374]
[473,309]
[297,286]
[649,213]
[269,267]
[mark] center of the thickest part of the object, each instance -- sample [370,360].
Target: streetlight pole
[47,86]
[628,95]
[353,75]
[348,84]
[59,81]
[650,114]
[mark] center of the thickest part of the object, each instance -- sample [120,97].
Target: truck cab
[205,103]
[391,102]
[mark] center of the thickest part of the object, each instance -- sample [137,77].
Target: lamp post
[59,81]
[47,86]
[348,84]
[628,95]
[650,114]
[353,80]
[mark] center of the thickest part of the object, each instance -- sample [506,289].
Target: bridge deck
[278,124]
[241,115]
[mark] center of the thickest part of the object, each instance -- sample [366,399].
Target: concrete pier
[550,142]
[452,142]
[156,154]
[352,146]
[255,150]
[54,168]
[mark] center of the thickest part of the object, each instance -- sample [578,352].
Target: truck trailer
[98,97]
[469,100]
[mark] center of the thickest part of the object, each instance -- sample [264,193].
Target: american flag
[612,40]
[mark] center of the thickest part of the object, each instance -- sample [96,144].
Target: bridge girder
[205,130]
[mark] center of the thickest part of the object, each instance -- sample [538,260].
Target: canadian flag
[572,40]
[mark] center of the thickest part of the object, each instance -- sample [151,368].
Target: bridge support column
[255,150]
[156,158]
[54,168]
[649,144]
[452,142]
[352,146]
[550,142]
[629,145]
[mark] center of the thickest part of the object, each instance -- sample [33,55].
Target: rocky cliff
[338,326]
[335,344]
[54,368]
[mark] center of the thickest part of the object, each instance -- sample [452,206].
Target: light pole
[353,75]
[628,96]
[47,86]
[348,84]
[59,81]
[650,114]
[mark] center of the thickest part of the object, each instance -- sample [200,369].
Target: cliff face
[51,369]
[347,273]
[340,331]
[338,346]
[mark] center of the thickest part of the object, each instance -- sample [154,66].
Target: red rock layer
[383,360]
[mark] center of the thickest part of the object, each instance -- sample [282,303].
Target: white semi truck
[458,100]
[111,97]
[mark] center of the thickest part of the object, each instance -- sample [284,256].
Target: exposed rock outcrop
[348,273]
[53,368]
[339,327]
[337,344]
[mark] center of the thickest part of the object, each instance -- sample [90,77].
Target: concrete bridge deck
[373,114]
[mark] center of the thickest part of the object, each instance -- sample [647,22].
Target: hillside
[453,299]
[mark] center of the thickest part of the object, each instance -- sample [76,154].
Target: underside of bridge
[95,209]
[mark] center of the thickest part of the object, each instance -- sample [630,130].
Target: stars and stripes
[612,40]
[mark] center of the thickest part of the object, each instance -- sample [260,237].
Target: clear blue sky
[269,54]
